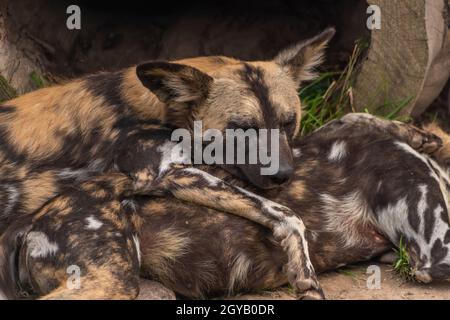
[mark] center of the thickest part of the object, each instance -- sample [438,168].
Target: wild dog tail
[11,242]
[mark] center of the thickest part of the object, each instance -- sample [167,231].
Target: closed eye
[242,125]
[289,124]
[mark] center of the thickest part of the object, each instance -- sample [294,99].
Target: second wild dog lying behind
[358,186]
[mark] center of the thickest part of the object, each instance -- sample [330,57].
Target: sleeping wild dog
[63,133]
[360,184]
[70,133]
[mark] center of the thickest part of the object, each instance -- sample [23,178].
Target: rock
[152,290]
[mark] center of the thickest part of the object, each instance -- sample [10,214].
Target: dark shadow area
[115,35]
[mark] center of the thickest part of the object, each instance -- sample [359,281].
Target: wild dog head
[225,93]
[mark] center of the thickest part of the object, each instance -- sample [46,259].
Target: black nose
[283,175]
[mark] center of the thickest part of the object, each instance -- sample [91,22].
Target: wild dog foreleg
[197,186]
[359,123]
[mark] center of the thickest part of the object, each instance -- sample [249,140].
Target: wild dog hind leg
[354,124]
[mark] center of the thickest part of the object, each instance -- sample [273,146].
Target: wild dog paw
[421,140]
[308,289]
[314,294]
[304,282]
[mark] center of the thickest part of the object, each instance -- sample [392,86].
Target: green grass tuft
[330,96]
[402,264]
[7,92]
[316,110]
[39,80]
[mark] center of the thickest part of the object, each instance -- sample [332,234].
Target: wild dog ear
[172,82]
[301,59]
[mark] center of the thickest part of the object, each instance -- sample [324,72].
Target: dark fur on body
[199,252]
[218,254]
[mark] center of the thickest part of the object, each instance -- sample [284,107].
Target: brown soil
[349,283]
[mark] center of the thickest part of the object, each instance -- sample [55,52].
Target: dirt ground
[349,283]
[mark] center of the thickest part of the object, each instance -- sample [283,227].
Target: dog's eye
[244,126]
[289,124]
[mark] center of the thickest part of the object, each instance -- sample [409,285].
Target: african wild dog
[66,134]
[151,171]
[358,186]
[352,204]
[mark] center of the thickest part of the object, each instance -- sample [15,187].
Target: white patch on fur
[422,206]
[394,219]
[93,223]
[138,247]
[289,224]
[357,116]
[439,230]
[275,209]
[79,174]
[13,197]
[97,165]
[213,181]
[379,185]
[296,152]
[39,246]
[338,151]
[343,215]
[171,154]
[285,229]
[129,204]
[314,235]
[82,174]
[239,272]
[442,179]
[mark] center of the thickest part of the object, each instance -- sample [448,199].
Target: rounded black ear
[301,59]
[172,82]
